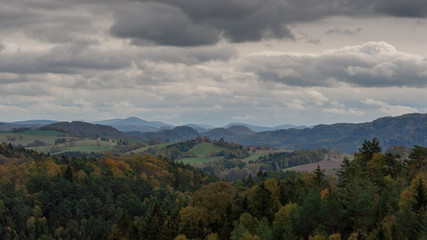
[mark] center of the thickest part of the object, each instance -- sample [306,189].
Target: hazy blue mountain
[240,130]
[264,129]
[180,133]
[35,122]
[134,124]
[251,127]
[31,124]
[406,130]
[287,126]
[200,127]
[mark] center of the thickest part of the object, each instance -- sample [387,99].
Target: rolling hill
[407,130]
[264,129]
[85,129]
[135,124]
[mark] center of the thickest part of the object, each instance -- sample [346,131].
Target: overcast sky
[263,62]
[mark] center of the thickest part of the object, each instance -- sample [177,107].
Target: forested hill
[375,197]
[77,128]
[44,197]
[407,130]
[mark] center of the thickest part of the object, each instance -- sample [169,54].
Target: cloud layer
[210,61]
[373,64]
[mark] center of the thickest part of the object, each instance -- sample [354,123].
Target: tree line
[374,196]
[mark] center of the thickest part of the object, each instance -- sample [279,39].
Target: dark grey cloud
[204,22]
[185,22]
[12,17]
[398,8]
[374,64]
[162,24]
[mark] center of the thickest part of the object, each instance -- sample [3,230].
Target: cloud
[386,108]
[373,64]
[187,55]
[204,22]
[339,31]
[190,23]
[243,118]
[185,22]
[342,111]
[82,59]
[162,24]
[66,59]
[408,8]
[52,21]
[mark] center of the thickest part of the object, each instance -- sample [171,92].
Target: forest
[373,196]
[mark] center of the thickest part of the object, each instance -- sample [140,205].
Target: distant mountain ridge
[77,128]
[407,130]
[135,124]
[35,122]
[264,129]
[32,124]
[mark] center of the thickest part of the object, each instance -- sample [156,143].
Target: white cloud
[373,64]
[296,104]
[386,108]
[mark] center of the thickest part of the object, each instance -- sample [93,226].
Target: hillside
[136,197]
[240,130]
[181,133]
[264,129]
[134,124]
[91,198]
[407,130]
[7,127]
[76,128]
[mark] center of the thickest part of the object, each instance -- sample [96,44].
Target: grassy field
[24,138]
[254,156]
[48,137]
[83,145]
[204,149]
[193,161]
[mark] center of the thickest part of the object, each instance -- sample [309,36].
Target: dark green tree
[420,201]
[369,148]
[262,203]
[418,157]
[319,179]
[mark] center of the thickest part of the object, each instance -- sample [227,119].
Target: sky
[261,62]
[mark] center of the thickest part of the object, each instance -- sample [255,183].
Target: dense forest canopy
[374,196]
